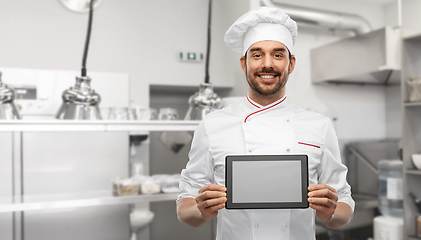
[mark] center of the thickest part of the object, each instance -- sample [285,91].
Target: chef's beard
[258,86]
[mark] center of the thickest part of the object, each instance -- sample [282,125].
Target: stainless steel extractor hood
[319,18]
[370,58]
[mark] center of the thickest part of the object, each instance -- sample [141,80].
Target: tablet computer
[266,181]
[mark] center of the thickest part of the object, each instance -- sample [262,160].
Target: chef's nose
[267,62]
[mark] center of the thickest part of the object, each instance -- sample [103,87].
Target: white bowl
[140,218]
[416,159]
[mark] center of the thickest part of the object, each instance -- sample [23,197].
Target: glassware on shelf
[153,114]
[145,114]
[168,114]
[415,89]
[118,113]
[105,112]
[132,113]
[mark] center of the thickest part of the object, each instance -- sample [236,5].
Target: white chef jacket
[278,128]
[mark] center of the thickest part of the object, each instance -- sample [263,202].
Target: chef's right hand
[210,199]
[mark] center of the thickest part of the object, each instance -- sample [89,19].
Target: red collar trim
[245,120]
[248,99]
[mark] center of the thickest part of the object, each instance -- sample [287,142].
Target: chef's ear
[291,64]
[244,64]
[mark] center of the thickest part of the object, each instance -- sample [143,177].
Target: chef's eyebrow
[255,49]
[282,49]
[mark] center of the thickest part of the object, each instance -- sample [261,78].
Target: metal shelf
[413,238]
[413,171]
[82,199]
[95,126]
[412,104]
[412,36]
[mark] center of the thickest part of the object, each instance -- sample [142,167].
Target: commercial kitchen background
[143,39]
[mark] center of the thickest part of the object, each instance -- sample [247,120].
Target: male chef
[264,123]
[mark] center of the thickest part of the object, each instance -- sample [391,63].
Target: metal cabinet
[411,135]
[66,162]
[6,175]
[55,178]
[164,161]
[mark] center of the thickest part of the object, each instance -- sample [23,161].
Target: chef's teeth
[267,76]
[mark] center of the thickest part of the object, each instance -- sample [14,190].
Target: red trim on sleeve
[245,120]
[308,144]
[251,102]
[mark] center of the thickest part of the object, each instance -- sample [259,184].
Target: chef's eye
[256,55]
[278,55]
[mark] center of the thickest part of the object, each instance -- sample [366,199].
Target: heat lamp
[8,110]
[204,101]
[81,102]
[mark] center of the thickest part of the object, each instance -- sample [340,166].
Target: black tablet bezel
[265,205]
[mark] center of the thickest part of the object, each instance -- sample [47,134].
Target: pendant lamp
[80,5]
[204,101]
[81,102]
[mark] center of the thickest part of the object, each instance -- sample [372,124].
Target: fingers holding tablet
[210,199]
[323,199]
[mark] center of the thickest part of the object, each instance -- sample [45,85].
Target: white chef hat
[264,23]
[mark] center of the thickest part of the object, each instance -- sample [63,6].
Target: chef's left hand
[323,199]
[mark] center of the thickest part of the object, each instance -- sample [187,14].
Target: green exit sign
[191,56]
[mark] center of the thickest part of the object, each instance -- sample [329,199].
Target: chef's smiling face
[267,66]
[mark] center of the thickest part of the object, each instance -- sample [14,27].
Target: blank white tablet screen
[266,181]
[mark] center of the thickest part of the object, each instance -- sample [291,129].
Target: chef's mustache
[270,71]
